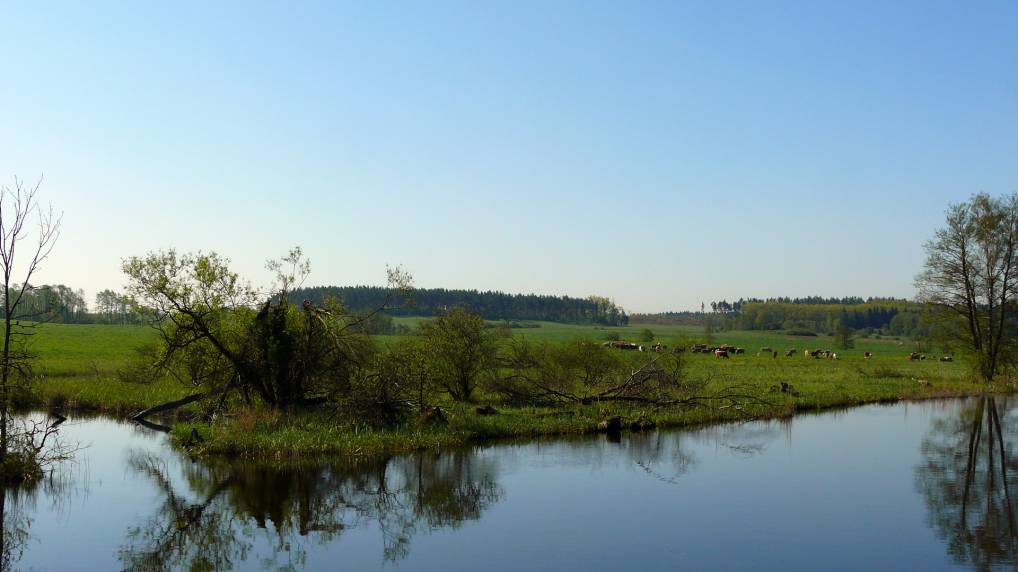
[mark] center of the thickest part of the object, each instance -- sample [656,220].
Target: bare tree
[972,277]
[23,249]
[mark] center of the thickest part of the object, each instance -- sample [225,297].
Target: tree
[646,335]
[843,336]
[966,477]
[970,275]
[213,338]
[22,252]
[461,348]
[708,328]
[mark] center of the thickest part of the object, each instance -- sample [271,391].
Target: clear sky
[658,153]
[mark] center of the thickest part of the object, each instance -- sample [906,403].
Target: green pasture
[671,336]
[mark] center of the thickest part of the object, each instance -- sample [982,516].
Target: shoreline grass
[280,436]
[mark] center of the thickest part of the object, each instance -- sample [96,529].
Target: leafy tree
[212,338]
[461,348]
[843,336]
[971,276]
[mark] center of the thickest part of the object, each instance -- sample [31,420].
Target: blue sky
[658,153]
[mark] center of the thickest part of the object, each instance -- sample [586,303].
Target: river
[909,486]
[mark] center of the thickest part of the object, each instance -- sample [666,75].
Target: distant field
[686,335]
[84,349]
[77,364]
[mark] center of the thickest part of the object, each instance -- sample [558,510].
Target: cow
[623,345]
[720,353]
[790,353]
[947,359]
[806,353]
[766,350]
[774,355]
[867,355]
[678,349]
[658,348]
[916,356]
[740,350]
[832,355]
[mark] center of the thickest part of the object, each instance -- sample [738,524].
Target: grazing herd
[727,350]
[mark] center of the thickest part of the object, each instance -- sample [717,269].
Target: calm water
[878,487]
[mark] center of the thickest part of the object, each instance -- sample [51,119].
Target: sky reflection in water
[908,486]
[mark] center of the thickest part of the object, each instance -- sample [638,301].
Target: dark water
[920,486]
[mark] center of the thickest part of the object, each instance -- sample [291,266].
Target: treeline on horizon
[892,316]
[62,304]
[491,305]
[815,314]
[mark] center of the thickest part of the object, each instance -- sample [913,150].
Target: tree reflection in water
[968,479]
[214,519]
[16,503]
[14,528]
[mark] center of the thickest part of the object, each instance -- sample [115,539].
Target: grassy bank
[274,435]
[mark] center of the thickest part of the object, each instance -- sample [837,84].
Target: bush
[583,371]
[460,349]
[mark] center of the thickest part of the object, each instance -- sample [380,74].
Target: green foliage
[397,380]
[646,335]
[211,338]
[460,350]
[583,370]
[843,336]
[970,278]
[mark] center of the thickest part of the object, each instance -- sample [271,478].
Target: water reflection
[14,527]
[216,522]
[853,483]
[16,506]
[968,477]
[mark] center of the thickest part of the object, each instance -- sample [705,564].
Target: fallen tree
[582,371]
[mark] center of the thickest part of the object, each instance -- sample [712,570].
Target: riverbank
[264,434]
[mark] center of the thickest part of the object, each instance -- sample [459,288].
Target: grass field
[77,365]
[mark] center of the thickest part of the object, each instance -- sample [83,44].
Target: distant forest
[491,305]
[815,314]
[63,304]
